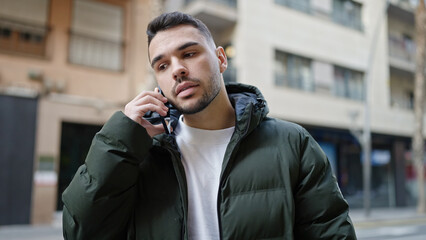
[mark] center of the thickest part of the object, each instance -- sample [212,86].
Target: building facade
[65,67]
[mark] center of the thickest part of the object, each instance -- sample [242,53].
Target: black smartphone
[163,119]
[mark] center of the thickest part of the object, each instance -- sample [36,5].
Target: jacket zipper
[183,187]
[224,171]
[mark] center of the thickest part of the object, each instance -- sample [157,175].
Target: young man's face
[187,67]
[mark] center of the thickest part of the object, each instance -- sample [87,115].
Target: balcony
[23,38]
[218,15]
[96,52]
[402,10]
[402,53]
[401,86]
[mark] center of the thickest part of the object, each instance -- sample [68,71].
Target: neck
[218,115]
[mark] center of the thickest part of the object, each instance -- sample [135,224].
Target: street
[48,232]
[404,232]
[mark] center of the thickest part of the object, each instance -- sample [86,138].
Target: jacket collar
[248,102]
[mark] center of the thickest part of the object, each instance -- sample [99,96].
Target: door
[75,143]
[17,138]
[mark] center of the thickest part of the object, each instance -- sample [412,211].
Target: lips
[184,86]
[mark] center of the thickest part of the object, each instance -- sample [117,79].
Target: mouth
[185,88]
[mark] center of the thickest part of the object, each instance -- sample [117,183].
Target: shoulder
[284,128]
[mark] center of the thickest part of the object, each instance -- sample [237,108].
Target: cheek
[165,87]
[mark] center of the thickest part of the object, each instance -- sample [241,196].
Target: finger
[154,94]
[136,112]
[149,99]
[152,130]
[142,109]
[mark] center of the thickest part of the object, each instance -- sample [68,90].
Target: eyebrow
[180,48]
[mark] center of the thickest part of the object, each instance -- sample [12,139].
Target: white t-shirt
[202,156]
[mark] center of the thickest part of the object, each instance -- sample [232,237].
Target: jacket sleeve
[99,202]
[321,211]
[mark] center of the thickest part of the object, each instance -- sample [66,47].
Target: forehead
[171,39]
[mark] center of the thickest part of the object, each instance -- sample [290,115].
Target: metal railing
[231,3]
[23,37]
[96,52]
[403,102]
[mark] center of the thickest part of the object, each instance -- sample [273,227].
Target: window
[96,38]
[231,3]
[348,83]
[347,13]
[293,71]
[323,77]
[23,26]
[300,5]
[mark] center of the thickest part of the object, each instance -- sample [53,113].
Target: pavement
[384,217]
[34,232]
[378,218]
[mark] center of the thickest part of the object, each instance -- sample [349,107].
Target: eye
[188,54]
[162,67]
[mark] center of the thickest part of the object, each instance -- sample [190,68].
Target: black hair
[173,19]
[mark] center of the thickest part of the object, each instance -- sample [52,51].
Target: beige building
[67,65]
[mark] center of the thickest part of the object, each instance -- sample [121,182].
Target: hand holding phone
[146,101]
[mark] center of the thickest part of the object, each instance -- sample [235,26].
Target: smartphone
[163,120]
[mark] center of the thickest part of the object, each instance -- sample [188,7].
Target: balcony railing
[22,37]
[404,102]
[96,52]
[402,49]
[231,3]
[407,5]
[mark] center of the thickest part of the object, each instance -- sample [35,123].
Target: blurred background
[343,69]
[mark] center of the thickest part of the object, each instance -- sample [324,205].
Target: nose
[179,71]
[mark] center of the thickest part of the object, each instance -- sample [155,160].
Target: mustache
[184,79]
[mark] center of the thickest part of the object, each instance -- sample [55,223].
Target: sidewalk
[29,232]
[378,218]
[386,217]
[34,232]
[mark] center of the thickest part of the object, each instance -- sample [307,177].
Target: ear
[223,60]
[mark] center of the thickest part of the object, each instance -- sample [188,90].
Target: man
[226,170]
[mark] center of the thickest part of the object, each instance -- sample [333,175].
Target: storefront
[392,174]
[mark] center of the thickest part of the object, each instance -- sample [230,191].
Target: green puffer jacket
[276,183]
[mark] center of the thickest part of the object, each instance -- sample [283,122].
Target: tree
[418,142]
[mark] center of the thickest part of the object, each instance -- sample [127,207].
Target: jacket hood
[248,102]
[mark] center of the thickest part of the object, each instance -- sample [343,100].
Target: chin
[192,108]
